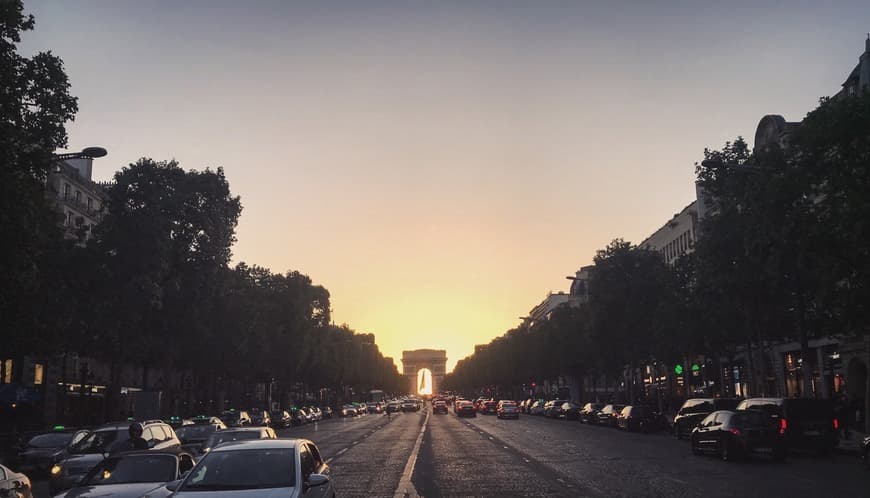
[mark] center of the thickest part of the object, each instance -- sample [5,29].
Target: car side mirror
[315,480]
[173,485]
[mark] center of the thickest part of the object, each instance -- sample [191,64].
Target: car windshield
[243,469]
[100,442]
[194,432]
[133,468]
[227,436]
[50,440]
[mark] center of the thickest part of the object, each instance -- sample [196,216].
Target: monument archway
[414,366]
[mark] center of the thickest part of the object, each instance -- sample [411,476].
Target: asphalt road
[442,455]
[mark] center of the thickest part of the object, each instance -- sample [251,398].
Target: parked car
[194,436]
[131,475]
[175,421]
[696,409]
[537,408]
[525,405]
[281,419]
[237,434]
[804,423]
[551,408]
[14,481]
[327,412]
[640,418]
[735,434]
[607,415]
[570,411]
[507,409]
[465,408]
[41,451]
[261,419]
[589,413]
[235,418]
[439,407]
[250,468]
[101,442]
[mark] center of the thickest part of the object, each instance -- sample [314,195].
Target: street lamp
[86,153]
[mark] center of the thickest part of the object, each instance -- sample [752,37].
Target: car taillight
[783,425]
[836,424]
[734,430]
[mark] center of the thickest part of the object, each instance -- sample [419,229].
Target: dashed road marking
[341,451]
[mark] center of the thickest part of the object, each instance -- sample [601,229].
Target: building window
[66,190]
[37,373]
[90,204]
[7,372]
[78,196]
[69,218]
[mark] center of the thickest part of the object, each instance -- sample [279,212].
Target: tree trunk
[806,372]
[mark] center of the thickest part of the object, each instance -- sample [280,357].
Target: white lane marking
[341,451]
[406,488]
[505,447]
[491,438]
[328,460]
[526,460]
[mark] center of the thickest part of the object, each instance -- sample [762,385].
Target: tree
[35,105]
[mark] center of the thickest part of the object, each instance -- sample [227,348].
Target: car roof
[149,453]
[243,429]
[261,444]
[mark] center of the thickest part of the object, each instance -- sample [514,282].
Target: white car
[263,468]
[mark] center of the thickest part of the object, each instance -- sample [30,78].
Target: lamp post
[86,153]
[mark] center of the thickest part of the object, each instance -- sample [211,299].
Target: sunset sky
[441,166]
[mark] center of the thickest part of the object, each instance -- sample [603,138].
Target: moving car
[288,468]
[131,475]
[14,483]
[551,408]
[410,405]
[487,407]
[42,451]
[348,411]
[193,437]
[607,415]
[640,418]
[393,407]
[234,418]
[589,413]
[465,408]
[237,434]
[696,409]
[439,407]
[537,408]
[102,442]
[281,419]
[735,434]
[804,423]
[261,419]
[507,409]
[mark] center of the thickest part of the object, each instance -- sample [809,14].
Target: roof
[259,444]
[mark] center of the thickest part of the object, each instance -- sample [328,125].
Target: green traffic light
[696,368]
[678,369]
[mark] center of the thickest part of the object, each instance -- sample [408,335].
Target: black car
[607,415]
[570,411]
[261,419]
[281,419]
[804,423]
[640,418]
[589,413]
[298,417]
[736,434]
[41,451]
[194,436]
[696,409]
[551,408]
[235,418]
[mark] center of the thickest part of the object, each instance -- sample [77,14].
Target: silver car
[264,468]
[130,475]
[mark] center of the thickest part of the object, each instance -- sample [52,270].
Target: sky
[441,166]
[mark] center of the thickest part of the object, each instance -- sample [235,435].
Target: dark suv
[101,442]
[696,409]
[235,418]
[804,423]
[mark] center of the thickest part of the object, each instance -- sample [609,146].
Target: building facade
[79,200]
[676,237]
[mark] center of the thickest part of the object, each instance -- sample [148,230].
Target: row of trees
[152,286]
[783,254]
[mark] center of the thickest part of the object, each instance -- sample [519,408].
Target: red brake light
[734,430]
[836,424]
[783,425]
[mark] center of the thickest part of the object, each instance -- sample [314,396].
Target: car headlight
[55,469]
